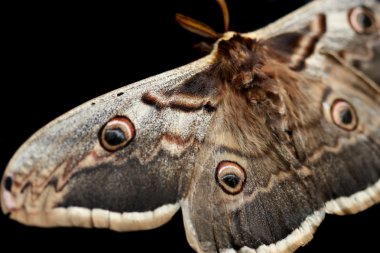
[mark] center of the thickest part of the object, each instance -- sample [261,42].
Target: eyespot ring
[116,133]
[362,20]
[344,115]
[230,177]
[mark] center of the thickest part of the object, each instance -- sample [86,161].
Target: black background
[56,57]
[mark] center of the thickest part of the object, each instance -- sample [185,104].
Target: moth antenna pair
[202,29]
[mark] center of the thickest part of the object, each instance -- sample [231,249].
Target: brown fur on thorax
[255,93]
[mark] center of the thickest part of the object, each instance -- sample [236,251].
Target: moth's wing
[299,164]
[358,49]
[63,176]
[347,36]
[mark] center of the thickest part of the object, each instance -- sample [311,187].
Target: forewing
[343,35]
[65,176]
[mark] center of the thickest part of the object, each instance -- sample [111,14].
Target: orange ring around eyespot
[121,123]
[336,110]
[354,15]
[230,168]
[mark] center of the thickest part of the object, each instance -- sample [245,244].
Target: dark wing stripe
[295,47]
[184,103]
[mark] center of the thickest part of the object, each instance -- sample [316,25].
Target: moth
[254,143]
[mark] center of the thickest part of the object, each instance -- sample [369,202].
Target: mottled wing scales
[294,48]
[360,50]
[256,142]
[274,120]
[62,176]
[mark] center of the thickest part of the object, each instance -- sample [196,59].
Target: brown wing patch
[293,48]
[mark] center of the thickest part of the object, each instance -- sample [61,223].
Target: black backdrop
[57,56]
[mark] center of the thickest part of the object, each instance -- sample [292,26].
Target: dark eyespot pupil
[346,116]
[231,180]
[364,20]
[8,184]
[114,136]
